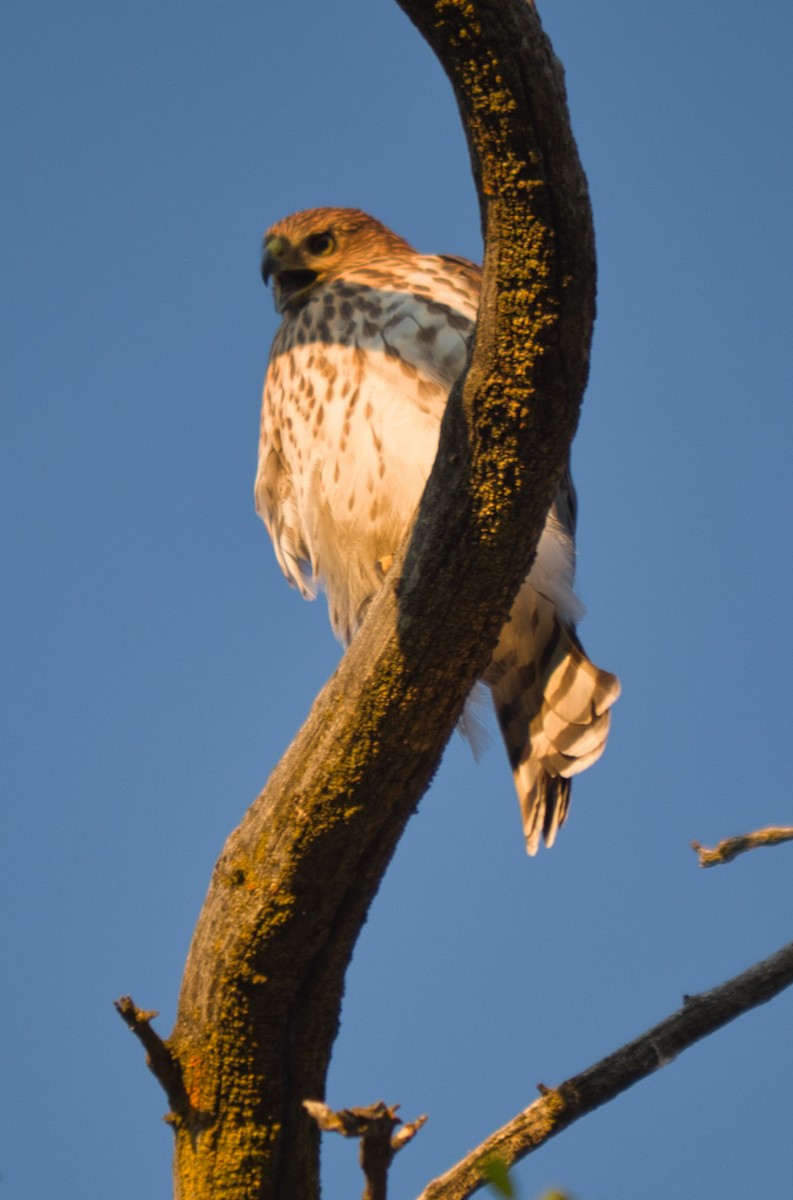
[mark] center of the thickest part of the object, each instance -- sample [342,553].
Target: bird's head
[312,248]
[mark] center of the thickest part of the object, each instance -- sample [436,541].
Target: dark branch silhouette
[560,1106]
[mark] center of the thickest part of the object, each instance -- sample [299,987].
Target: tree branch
[375,1126]
[261,994]
[730,848]
[159,1059]
[561,1106]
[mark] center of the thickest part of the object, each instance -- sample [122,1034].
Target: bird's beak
[291,279]
[273,249]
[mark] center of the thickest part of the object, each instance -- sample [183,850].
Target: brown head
[312,248]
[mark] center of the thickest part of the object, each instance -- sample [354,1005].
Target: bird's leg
[384,564]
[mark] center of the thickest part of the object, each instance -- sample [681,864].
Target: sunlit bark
[259,1007]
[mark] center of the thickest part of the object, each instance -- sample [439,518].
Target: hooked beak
[288,283]
[273,249]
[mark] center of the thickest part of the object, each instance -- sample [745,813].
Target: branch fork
[374,1125]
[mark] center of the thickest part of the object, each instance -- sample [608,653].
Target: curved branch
[260,999]
[730,848]
[561,1106]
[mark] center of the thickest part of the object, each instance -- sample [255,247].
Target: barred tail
[553,707]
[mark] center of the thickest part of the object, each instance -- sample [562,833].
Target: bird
[373,336]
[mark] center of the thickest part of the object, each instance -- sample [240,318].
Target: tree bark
[260,1000]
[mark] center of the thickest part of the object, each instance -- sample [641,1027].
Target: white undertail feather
[473,723]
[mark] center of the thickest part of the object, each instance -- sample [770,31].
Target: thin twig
[159,1059]
[374,1125]
[561,1106]
[730,848]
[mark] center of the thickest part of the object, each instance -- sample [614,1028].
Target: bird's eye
[321,243]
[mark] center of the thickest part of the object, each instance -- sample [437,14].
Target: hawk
[372,338]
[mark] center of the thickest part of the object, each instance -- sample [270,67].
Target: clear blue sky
[155,664]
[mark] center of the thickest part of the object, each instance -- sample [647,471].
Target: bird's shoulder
[427,279]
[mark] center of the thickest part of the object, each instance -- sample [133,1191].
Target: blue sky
[156,665]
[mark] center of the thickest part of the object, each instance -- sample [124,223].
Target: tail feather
[575,687]
[553,706]
[544,801]
[577,737]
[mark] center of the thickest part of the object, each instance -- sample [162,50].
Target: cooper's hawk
[373,337]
